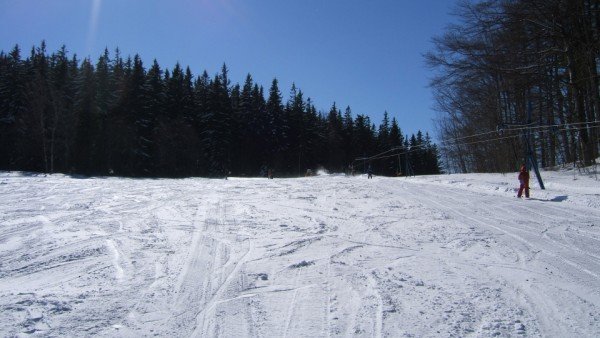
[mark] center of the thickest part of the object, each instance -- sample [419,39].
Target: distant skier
[370,172]
[350,169]
[523,181]
[270,174]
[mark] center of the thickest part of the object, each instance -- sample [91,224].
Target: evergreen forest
[116,116]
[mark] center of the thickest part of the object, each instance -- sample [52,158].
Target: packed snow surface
[441,256]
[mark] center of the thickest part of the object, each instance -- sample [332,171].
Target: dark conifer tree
[37,120]
[202,90]
[155,114]
[216,138]
[312,139]
[245,150]
[395,141]
[188,96]
[136,154]
[224,122]
[62,88]
[275,128]
[335,140]
[296,135]
[407,164]
[117,131]
[85,147]
[143,121]
[348,136]
[13,105]
[178,126]
[386,166]
[105,101]
[260,130]
[432,165]
[414,157]
[365,140]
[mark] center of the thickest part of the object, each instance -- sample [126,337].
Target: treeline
[527,68]
[60,114]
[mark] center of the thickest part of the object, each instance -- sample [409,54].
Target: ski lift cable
[551,125]
[375,156]
[445,143]
[416,148]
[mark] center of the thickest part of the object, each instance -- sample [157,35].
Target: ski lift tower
[530,161]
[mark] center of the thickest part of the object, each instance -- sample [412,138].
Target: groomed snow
[441,256]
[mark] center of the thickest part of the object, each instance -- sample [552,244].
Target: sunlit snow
[448,255]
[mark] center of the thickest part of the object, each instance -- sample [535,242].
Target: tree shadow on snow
[561,198]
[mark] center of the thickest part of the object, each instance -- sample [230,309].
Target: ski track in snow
[441,256]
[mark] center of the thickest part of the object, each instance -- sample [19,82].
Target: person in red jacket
[524,181]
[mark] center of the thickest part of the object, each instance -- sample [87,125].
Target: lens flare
[92,29]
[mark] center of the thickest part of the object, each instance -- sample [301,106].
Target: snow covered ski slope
[439,256]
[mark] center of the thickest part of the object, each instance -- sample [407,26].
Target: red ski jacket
[524,177]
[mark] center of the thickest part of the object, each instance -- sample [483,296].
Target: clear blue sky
[365,54]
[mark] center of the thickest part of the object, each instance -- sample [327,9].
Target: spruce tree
[155,112]
[296,135]
[365,140]
[395,141]
[386,166]
[37,121]
[202,89]
[143,121]
[335,140]
[261,131]
[13,104]
[348,136]
[105,100]
[245,136]
[216,137]
[275,128]
[85,148]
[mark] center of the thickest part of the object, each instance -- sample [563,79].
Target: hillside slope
[449,255]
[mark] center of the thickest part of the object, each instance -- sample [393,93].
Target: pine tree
[348,135]
[334,140]
[105,101]
[117,131]
[202,89]
[313,139]
[37,121]
[216,137]
[261,131]
[155,112]
[432,165]
[179,125]
[388,165]
[365,139]
[85,148]
[395,141]
[414,158]
[275,128]
[62,88]
[143,121]
[13,91]
[246,134]
[296,136]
